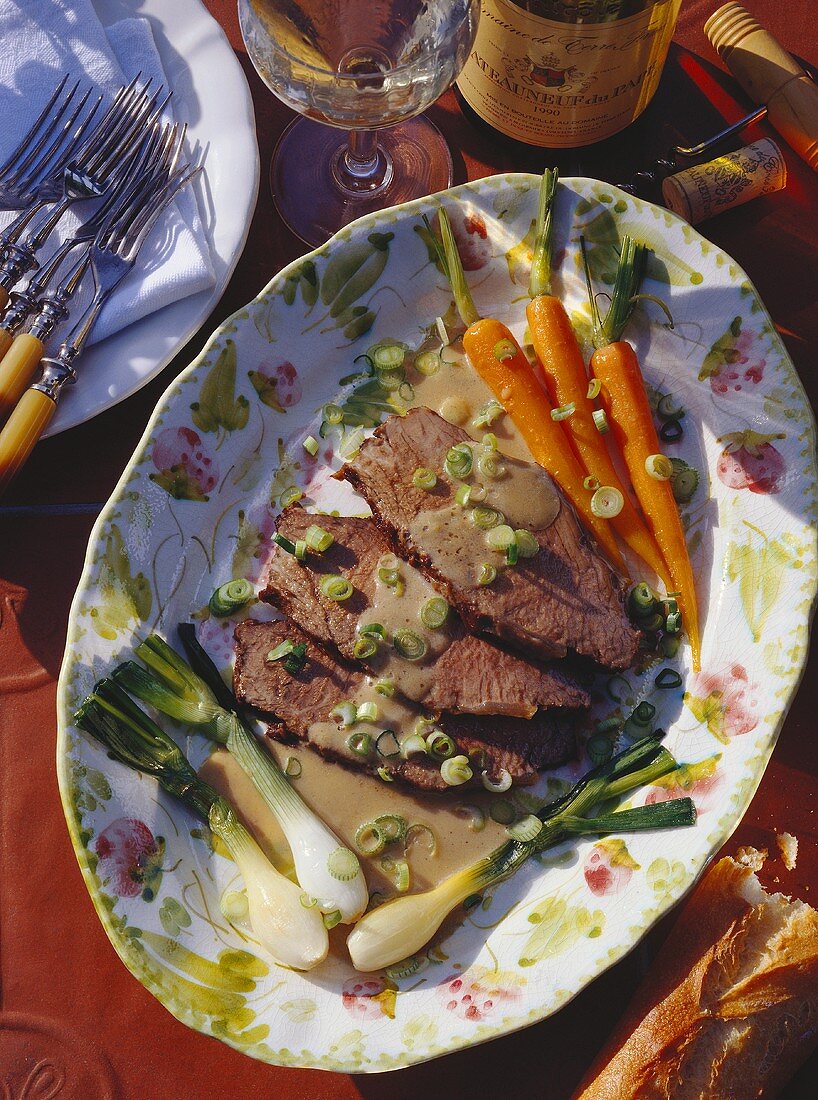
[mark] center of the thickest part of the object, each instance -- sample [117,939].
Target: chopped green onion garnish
[364,648]
[369,839]
[434,613]
[230,597]
[333,414]
[491,441]
[487,575]
[234,905]
[385,775]
[673,623]
[459,460]
[594,389]
[310,445]
[668,409]
[308,902]
[502,811]
[562,412]
[416,830]
[668,678]
[643,714]
[423,727]
[295,659]
[332,919]
[398,869]
[388,357]
[527,545]
[476,817]
[642,601]
[387,744]
[487,414]
[290,495]
[372,630]
[318,539]
[360,743]
[486,518]
[428,362]
[489,465]
[498,785]
[413,745]
[368,712]
[456,770]
[527,828]
[659,467]
[281,650]
[343,864]
[608,725]
[301,549]
[346,713]
[601,421]
[685,480]
[393,827]
[352,444]
[501,537]
[591,483]
[504,350]
[409,645]
[284,543]
[440,745]
[335,587]
[424,478]
[671,431]
[512,554]
[293,767]
[607,502]
[463,495]
[391,578]
[385,687]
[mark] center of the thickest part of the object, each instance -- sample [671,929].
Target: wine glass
[365,69]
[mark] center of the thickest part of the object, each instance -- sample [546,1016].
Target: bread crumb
[751,857]
[788,846]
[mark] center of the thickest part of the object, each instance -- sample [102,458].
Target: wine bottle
[562,74]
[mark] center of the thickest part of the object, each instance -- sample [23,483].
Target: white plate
[219,112]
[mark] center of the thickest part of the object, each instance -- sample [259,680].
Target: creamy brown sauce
[392,714]
[345,800]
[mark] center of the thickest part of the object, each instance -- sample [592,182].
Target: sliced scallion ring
[594,389]
[487,574]
[409,645]
[489,465]
[500,537]
[673,623]
[335,587]
[423,727]
[364,648]
[486,518]
[424,478]
[440,745]
[491,441]
[527,828]
[385,775]
[476,818]
[310,445]
[405,969]
[428,362]
[684,482]
[502,811]
[368,712]
[601,421]
[527,545]
[487,414]
[281,650]
[369,839]
[498,785]
[419,829]
[459,461]
[230,597]
[301,549]
[413,745]
[512,554]
[643,714]
[668,408]
[352,444]
[318,539]
[659,467]
[284,543]
[388,745]
[590,483]
[398,870]
[372,630]
[456,770]
[333,414]
[360,743]
[292,769]
[308,902]
[295,660]
[607,502]
[332,919]
[562,412]
[343,864]
[346,712]
[668,678]
[504,350]
[290,495]
[385,686]
[387,357]
[642,600]
[671,431]
[234,905]
[391,577]
[434,613]
[393,826]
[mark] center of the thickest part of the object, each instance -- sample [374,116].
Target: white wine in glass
[361,71]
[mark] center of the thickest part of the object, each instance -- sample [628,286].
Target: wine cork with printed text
[700,192]
[769,75]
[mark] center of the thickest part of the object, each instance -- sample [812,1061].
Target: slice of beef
[566,597]
[472,675]
[292,704]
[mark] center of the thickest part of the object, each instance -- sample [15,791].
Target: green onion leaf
[281,650]
[295,660]
[512,554]
[284,543]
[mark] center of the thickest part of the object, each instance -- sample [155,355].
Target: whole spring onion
[170,684]
[401,927]
[230,597]
[293,935]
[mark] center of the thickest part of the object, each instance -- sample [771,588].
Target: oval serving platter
[196,506]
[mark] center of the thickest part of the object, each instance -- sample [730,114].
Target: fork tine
[35,126]
[33,155]
[122,143]
[59,152]
[120,107]
[145,221]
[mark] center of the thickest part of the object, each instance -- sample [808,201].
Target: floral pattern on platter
[198,503]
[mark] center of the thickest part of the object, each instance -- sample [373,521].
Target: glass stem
[362,166]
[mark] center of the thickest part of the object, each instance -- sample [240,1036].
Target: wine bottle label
[561,84]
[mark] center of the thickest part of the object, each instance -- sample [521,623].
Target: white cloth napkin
[42,40]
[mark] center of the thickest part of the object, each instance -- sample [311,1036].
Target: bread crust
[729,1009]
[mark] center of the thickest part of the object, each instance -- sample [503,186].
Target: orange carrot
[510,377]
[555,343]
[629,414]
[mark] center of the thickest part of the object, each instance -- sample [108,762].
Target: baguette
[729,1009]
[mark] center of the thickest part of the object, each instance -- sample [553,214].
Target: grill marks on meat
[293,703]
[473,675]
[565,598]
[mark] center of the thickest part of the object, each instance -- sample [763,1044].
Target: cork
[708,189]
[769,75]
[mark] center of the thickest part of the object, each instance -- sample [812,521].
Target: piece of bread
[729,1009]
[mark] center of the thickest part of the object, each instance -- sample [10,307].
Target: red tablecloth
[95,1030]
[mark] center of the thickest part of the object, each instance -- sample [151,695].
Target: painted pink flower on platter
[368,998]
[186,468]
[277,384]
[735,361]
[750,461]
[130,858]
[608,867]
[727,701]
[480,993]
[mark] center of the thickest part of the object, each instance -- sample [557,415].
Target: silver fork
[47,144]
[91,171]
[159,151]
[112,256]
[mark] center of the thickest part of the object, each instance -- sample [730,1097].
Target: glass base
[304,174]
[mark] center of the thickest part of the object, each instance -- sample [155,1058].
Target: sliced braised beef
[295,705]
[565,597]
[472,675]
